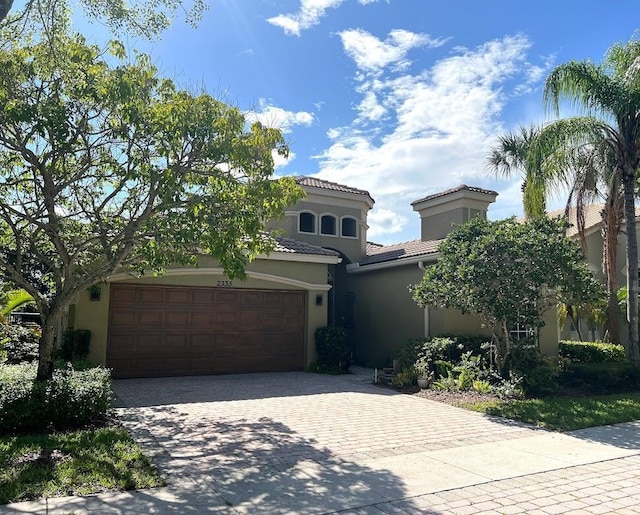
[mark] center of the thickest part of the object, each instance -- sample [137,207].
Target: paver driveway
[306,443]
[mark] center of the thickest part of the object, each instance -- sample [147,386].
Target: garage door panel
[150,318]
[177,296]
[125,318]
[226,321]
[226,298]
[177,318]
[151,295]
[198,330]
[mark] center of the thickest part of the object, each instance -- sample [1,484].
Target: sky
[402,98]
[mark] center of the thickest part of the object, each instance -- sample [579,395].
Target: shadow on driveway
[256,466]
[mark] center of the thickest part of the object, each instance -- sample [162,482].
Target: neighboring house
[194,321]
[593,254]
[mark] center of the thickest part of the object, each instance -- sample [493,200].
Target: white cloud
[440,124]
[281,161]
[277,117]
[309,14]
[383,222]
[372,54]
[369,108]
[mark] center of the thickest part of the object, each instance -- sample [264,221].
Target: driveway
[307,443]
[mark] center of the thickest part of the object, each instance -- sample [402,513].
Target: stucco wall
[353,248]
[437,226]
[94,315]
[387,316]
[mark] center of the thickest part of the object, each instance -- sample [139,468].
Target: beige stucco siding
[451,321]
[353,248]
[286,275]
[385,314]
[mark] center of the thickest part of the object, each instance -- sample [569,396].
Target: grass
[566,413]
[72,463]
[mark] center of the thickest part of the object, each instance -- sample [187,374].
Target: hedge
[592,352]
[71,399]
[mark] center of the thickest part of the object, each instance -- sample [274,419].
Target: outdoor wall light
[94,292]
[319,299]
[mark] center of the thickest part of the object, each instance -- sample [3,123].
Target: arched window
[328,225]
[349,227]
[307,222]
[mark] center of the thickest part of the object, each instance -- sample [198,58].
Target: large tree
[108,167]
[559,159]
[509,157]
[509,273]
[141,17]
[609,97]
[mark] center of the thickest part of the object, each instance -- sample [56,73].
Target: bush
[539,375]
[592,352]
[406,378]
[331,344]
[601,378]
[71,399]
[75,344]
[462,343]
[19,344]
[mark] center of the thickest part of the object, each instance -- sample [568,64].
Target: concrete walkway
[306,443]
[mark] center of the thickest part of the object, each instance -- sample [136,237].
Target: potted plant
[425,375]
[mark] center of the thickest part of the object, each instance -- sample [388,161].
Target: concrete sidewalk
[303,443]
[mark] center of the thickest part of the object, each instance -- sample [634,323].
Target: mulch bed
[455,398]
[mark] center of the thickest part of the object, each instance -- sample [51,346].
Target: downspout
[427,322]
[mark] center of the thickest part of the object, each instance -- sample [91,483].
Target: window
[307,222]
[328,224]
[349,227]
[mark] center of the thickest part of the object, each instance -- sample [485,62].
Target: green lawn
[76,462]
[566,413]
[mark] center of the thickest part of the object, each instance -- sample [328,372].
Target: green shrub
[462,343]
[539,375]
[70,399]
[408,353]
[592,352]
[442,368]
[19,344]
[405,378]
[331,344]
[75,344]
[602,378]
[481,386]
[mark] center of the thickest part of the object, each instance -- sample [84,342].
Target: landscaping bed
[80,462]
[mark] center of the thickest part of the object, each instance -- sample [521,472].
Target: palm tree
[590,176]
[608,95]
[586,173]
[510,156]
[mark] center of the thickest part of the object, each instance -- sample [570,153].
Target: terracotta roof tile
[298,247]
[592,217]
[314,182]
[382,253]
[462,187]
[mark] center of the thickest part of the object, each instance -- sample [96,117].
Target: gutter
[356,268]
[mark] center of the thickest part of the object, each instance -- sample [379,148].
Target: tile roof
[592,217]
[462,187]
[314,182]
[381,253]
[298,247]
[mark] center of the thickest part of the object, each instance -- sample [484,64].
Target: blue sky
[403,98]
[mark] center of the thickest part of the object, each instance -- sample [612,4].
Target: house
[593,246]
[193,321]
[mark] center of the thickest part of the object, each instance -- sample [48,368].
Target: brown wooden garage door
[157,331]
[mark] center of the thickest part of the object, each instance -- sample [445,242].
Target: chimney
[441,211]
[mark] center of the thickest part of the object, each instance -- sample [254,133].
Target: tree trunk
[612,215]
[46,344]
[5,7]
[628,180]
